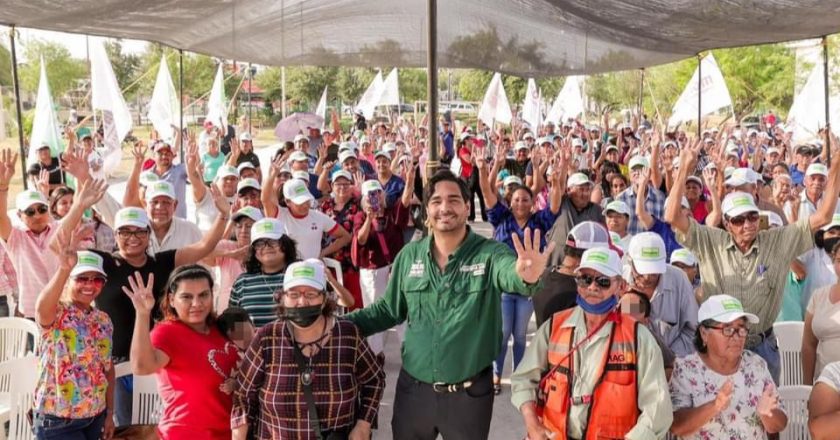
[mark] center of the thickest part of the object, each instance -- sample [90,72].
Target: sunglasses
[97,282]
[739,220]
[586,280]
[40,209]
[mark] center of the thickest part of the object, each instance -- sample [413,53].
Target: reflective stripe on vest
[613,405]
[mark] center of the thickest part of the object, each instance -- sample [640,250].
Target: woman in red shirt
[342,206]
[187,353]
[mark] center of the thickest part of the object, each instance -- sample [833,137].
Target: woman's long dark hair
[187,272]
[56,195]
[287,246]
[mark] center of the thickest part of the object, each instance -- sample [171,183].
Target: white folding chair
[146,405]
[789,335]
[14,333]
[21,396]
[794,398]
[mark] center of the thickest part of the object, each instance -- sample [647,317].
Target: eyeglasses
[586,280]
[97,282]
[40,209]
[139,234]
[739,220]
[265,242]
[730,331]
[308,295]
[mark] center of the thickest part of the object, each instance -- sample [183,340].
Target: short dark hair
[699,345]
[445,176]
[182,273]
[573,251]
[287,246]
[517,187]
[230,317]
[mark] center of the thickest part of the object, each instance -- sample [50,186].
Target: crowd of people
[655,264]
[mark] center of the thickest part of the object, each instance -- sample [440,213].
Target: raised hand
[74,161]
[192,154]
[710,178]
[8,160]
[140,293]
[530,262]
[768,402]
[220,200]
[724,396]
[42,182]
[90,192]
[139,152]
[67,242]
[237,254]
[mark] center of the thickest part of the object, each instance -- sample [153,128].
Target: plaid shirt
[654,205]
[347,384]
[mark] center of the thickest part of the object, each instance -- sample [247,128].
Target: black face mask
[827,244]
[303,316]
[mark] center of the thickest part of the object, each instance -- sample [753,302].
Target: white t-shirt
[307,232]
[831,376]
[206,212]
[181,233]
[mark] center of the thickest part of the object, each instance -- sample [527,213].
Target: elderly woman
[342,207]
[824,404]
[723,391]
[307,375]
[189,355]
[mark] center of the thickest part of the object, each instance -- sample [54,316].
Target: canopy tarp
[522,37]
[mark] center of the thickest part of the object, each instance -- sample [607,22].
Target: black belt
[754,340]
[442,387]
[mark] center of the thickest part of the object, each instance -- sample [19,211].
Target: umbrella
[294,124]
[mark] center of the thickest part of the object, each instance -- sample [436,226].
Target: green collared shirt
[454,321]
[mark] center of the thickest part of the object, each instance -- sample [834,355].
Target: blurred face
[815,185]
[803,158]
[447,208]
[87,143]
[521,155]
[613,156]
[690,271]
[163,157]
[44,156]
[161,209]
[342,188]
[693,190]
[241,334]
[580,195]
[383,166]
[777,171]
[351,165]
[62,206]
[732,161]
[367,148]
[646,282]
[213,146]
[250,197]
[299,210]
[720,345]
[302,145]
[268,253]
[594,293]
[617,222]
[636,174]
[248,146]
[85,287]
[328,138]
[773,159]
[781,188]
[521,204]
[228,186]
[617,186]
[132,241]
[631,304]
[744,227]
[248,173]
[36,217]
[299,165]
[243,229]
[192,302]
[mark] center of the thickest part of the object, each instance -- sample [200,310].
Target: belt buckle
[440,387]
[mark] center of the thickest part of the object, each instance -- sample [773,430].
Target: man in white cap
[46,162]
[673,307]
[746,180]
[304,224]
[566,389]
[299,162]
[654,201]
[176,175]
[815,180]
[168,231]
[226,179]
[746,262]
[518,166]
[617,215]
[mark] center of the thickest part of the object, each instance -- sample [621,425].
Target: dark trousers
[47,427]
[420,413]
[475,187]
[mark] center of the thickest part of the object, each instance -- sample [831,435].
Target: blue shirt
[505,225]
[448,140]
[313,186]
[796,176]
[664,230]
[393,189]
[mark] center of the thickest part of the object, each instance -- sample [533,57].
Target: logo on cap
[742,201]
[131,215]
[34,195]
[650,252]
[597,257]
[300,189]
[731,304]
[88,259]
[304,272]
[266,227]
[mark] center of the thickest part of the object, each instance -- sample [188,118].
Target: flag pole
[641,91]
[825,85]
[181,98]
[699,93]
[16,81]
[432,93]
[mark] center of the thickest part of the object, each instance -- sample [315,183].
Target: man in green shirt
[448,287]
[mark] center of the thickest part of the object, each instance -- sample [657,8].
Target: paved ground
[506,423]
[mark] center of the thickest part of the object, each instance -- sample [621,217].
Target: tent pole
[283,91]
[181,90]
[18,107]
[825,84]
[641,92]
[432,92]
[699,94]
[250,74]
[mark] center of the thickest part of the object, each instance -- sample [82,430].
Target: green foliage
[126,66]
[63,71]
[5,66]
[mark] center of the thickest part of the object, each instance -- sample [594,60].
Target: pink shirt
[34,263]
[229,270]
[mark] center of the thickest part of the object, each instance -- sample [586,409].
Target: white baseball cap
[520,146]
[816,168]
[835,222]
[370,186]
[612,148]
[296,191]
[87,261]
[773,150]
[464,135]
[227,171]
[638,161]
[245,137]
[578,179]
[588,235]
[389,147]
[348,146]
[302,175]
[248,183]
[27,198]
[301,137]
[737,203]
[346,154]
[245,166]
[725,309]
[131,216]
[160,188]
[271,228]
[695,179]
[647,250]
[298,156]
[601,259]
[742,176]
[381,153]
[148,177]
[683,256]
[617,206]
[305,273]
[527,135]
[248,211]
[510,180]
[341,174]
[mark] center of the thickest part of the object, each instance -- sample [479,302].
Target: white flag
[217,105]
[390,92]
[715,94]
[45,129]
[107,97]
[321,110]
[568,103]
[495,106]
[531,107]
[164,108]
[370,99]
[807,114]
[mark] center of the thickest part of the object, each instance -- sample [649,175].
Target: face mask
[303,316]
[828,244]
[602,308]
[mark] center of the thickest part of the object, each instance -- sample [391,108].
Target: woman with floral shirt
[74,397]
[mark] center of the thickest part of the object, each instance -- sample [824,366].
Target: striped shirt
[254,292]
[347,384]
[654,205]
[757,277]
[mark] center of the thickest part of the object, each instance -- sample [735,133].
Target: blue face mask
[602,308]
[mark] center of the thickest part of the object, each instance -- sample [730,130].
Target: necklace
[307,375]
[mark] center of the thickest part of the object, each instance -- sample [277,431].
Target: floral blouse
[693,384]
[343,217]
[74,359]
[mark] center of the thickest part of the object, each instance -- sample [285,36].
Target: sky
[74,42]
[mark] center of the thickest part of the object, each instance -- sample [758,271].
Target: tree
[5,66]
[64,71]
